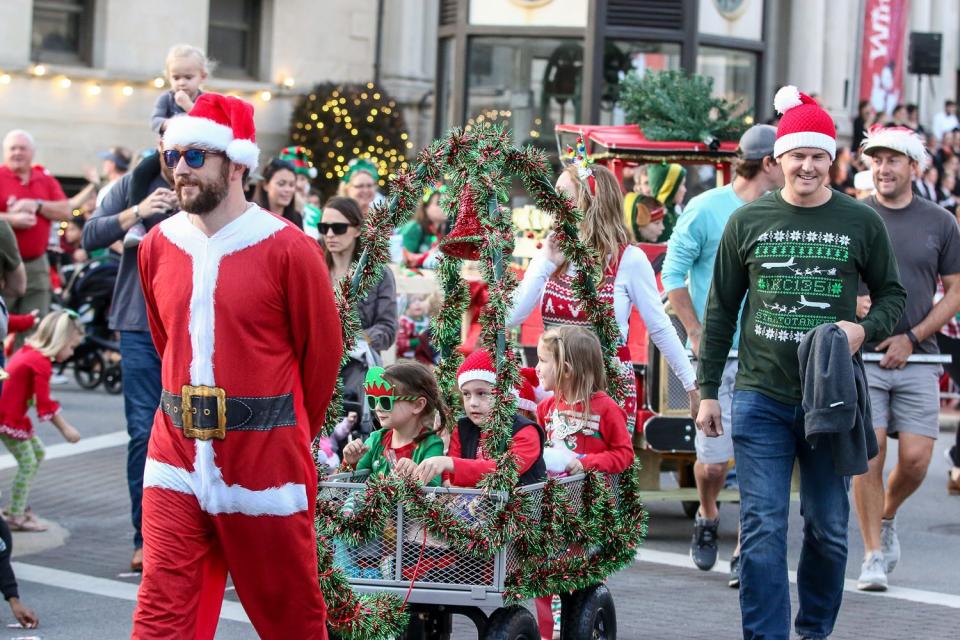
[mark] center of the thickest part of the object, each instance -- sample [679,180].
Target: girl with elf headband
[407,402]
[360,183]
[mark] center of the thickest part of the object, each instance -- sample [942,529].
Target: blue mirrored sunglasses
[193,157]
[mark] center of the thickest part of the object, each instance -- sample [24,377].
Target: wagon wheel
[589,615]
[512,623]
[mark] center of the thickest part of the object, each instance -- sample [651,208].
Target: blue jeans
[767,437]
[140,367]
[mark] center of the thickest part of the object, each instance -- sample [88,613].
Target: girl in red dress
[30,369]
[585,428]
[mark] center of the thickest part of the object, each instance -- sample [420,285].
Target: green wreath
[477,165]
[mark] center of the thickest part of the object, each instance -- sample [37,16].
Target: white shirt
[634,285]
[943,123]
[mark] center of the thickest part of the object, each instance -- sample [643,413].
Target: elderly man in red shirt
[30,198]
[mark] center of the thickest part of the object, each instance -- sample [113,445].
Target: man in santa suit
[242,313]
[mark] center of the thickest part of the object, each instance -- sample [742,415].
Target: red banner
[881,55]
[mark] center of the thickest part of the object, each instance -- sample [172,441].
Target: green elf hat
[375,384]
[299,157]
[665,179]
[360,164]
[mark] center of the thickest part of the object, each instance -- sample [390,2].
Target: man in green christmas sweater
[797,254]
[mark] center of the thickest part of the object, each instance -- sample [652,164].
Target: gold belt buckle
[186,405]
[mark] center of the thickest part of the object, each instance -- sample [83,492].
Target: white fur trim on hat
[476,374]
[244,152]
[787,98]
[896,139]
[188,130]
[799,139]
[525,404]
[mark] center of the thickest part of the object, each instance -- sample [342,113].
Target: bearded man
[242,314]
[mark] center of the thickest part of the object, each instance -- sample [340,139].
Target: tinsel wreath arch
[477,167]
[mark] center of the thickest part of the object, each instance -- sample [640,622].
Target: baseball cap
[119,155]
[757,142]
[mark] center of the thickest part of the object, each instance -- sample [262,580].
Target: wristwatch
[913,339]
[136,212]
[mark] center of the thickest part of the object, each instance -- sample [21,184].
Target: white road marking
[65,449]
[102,586]
[897,593]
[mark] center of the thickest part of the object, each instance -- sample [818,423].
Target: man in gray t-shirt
[905,394]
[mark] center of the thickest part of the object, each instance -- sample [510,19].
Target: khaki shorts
[905,400]
[720,449]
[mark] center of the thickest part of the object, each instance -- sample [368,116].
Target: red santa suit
[249,310]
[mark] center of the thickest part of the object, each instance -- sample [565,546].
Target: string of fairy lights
[126,88]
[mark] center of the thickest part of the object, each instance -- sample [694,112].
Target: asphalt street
[76,577]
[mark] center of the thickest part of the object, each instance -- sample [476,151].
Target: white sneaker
[889,543]
[872,574]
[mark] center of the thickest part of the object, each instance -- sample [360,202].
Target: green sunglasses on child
[380,392]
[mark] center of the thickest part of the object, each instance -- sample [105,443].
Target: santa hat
[477,366]
[219,123]
[804,124]
[526,394]
[899,139]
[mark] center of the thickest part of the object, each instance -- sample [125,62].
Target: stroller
[88,291]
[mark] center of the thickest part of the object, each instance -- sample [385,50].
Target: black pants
[951,346]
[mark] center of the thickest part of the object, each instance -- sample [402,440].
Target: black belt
[206,412]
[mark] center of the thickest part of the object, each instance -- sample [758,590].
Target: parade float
[397,559]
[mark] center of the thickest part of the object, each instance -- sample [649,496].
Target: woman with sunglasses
[407,401]
[339,229]
[276,191]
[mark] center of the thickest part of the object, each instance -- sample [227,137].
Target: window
[620,58]
[528,83]
[734,74]
[234,37]
[62,31]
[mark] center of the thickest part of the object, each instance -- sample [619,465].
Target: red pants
[187,554]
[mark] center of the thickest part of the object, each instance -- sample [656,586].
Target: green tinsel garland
[476,166]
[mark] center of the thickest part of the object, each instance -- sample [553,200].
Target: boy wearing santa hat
[467,460]
[241,311]
[797,254]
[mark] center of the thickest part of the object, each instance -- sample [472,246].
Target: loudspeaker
[924,55]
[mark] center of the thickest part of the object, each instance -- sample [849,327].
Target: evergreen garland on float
[607,524]
[671,105]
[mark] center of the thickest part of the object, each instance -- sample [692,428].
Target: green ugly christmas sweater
[799,267]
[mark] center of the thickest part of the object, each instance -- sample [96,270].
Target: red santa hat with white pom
[219,123]
[899,139]
[804,124]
